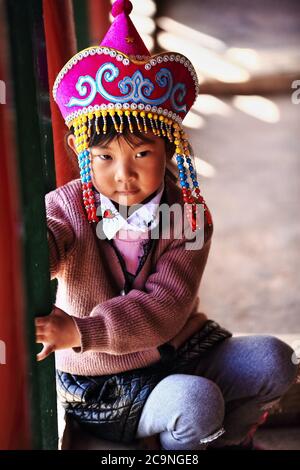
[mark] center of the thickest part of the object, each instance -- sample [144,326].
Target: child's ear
[71,142]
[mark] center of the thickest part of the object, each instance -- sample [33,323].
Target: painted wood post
[34,149]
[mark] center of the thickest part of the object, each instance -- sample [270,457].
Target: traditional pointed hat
[119,79]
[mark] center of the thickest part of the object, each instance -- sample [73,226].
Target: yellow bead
[84,119]
[134,113]
[111,112]
[150,115]
[127,112]
[104,112]
[177,142]
[97,113]
[155,116]
[161,118]
[90,115]
[142,113]
[120,112]
[178,150]
[166,120]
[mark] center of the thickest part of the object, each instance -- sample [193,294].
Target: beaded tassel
[187,196]
[88,194]
[170,130]
[127,113]
[143,116]
[193,174]
[81,133]
[112,114]
[120,114]
[97,115]
[135,114]
[150,115]
[161,119]
[156,124]
[104,114]
[90,117]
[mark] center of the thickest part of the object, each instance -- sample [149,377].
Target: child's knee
[277,364]
[199,413]
[203,406]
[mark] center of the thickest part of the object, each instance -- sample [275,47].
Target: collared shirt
[130,235]
[142,220]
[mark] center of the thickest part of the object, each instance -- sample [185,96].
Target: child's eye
[142,153]
[103,157]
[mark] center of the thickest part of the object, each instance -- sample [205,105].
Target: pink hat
[119,79]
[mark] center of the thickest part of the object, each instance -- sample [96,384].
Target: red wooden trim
[61,46]
[14,417]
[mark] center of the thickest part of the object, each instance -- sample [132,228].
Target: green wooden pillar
[80,8]
[36,178]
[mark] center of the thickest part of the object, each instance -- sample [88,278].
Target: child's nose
[125,174]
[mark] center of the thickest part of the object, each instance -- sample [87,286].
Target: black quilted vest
[110,406]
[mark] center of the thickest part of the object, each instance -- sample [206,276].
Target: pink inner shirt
[131,248]
[128,236]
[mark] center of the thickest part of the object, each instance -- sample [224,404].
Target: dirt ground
[248,161]
[252,280]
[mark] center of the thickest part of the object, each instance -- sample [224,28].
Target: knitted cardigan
[121,332]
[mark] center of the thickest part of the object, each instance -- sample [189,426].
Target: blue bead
[192,175]
[195,184]
[191,168]
[180,166]
[188,160]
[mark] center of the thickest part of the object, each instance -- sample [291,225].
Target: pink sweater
[120,332]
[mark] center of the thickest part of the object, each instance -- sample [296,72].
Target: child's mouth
[127,193]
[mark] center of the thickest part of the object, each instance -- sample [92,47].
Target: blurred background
[244,129]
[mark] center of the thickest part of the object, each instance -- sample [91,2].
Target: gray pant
[218,399]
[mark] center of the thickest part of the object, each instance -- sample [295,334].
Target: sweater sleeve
[60,234]
[147,318]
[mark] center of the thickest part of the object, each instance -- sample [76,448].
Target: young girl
[134,355]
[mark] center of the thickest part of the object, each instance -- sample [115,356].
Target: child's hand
[56,331]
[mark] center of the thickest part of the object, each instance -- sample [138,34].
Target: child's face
[117,167]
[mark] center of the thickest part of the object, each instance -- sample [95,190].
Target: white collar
[143,219]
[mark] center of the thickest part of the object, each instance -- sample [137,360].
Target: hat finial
[121,6]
